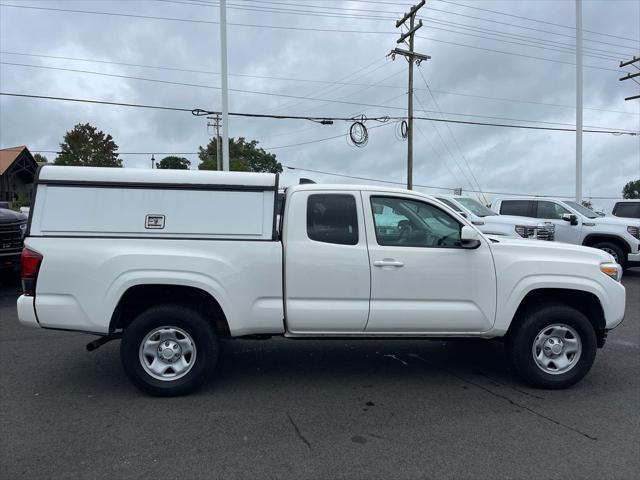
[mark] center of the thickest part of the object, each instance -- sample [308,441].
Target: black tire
[520,344]
[185,319]
[615,250]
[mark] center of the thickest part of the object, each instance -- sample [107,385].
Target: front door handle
[388,262]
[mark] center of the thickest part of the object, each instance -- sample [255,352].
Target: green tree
[174,163]
[86,146]
[40,158]
[631,190]
[245,156]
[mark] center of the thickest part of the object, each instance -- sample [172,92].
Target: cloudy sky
[493,62]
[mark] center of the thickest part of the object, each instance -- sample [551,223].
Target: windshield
[587,212]
[476,207]
[449,203]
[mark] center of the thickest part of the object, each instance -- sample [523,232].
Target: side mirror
[570,217]
[469,238]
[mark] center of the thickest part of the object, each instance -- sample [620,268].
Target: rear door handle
[388,262]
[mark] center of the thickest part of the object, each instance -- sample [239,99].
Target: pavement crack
[498,382]
[298,432]
[506,398]
[396,358]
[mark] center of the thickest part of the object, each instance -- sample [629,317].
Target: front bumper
[614,304]
[27,312]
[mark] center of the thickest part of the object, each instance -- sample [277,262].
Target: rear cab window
[627,209]
[520,208]
[332,218]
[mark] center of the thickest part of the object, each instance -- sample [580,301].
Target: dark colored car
[13,226]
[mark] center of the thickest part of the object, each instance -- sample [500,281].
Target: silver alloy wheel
[167,353]
[557,349]
[611,252]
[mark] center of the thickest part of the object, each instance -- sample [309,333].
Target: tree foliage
[245,156]
[174,163]
[87,146]
[631,189]
[40,158]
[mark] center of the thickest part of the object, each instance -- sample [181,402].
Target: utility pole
[631,75]
[411,57]
[153,161]
[578,101]
[225,85]
[216,125]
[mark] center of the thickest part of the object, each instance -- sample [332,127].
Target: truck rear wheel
[168,350]
[552,347]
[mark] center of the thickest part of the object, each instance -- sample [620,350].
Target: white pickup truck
[492,223]
[113,252]
[579,225]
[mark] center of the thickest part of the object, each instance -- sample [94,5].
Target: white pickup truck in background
[114,253]
[492,223]
[579,225]
[626,209]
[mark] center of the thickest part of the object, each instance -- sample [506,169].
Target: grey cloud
[502,159]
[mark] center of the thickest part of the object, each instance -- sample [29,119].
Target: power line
[544,42]
[378,17]
[455,141]
[511,24]
[278,27]
[449,12]
[283,95]
[446,147]
[537,20]
[370,179]
[329,89]
[343,135]
[339,82]
[191,70]
[291,117]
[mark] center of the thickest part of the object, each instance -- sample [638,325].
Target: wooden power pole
[411,56]
[216,125]
[631,75]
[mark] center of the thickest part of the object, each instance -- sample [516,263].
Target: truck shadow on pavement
[316,365]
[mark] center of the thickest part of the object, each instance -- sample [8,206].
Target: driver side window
[409,223]
[550,210]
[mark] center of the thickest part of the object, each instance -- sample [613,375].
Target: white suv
[579,225]
[491,223]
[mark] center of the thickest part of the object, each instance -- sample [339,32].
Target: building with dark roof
[17,172]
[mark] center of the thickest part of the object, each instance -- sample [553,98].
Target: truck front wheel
[553,346]
[168,350]
[615,250]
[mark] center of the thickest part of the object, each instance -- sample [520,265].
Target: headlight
[611,269]
[634,231]
[521,230]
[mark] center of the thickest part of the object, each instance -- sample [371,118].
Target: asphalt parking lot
[316,409]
